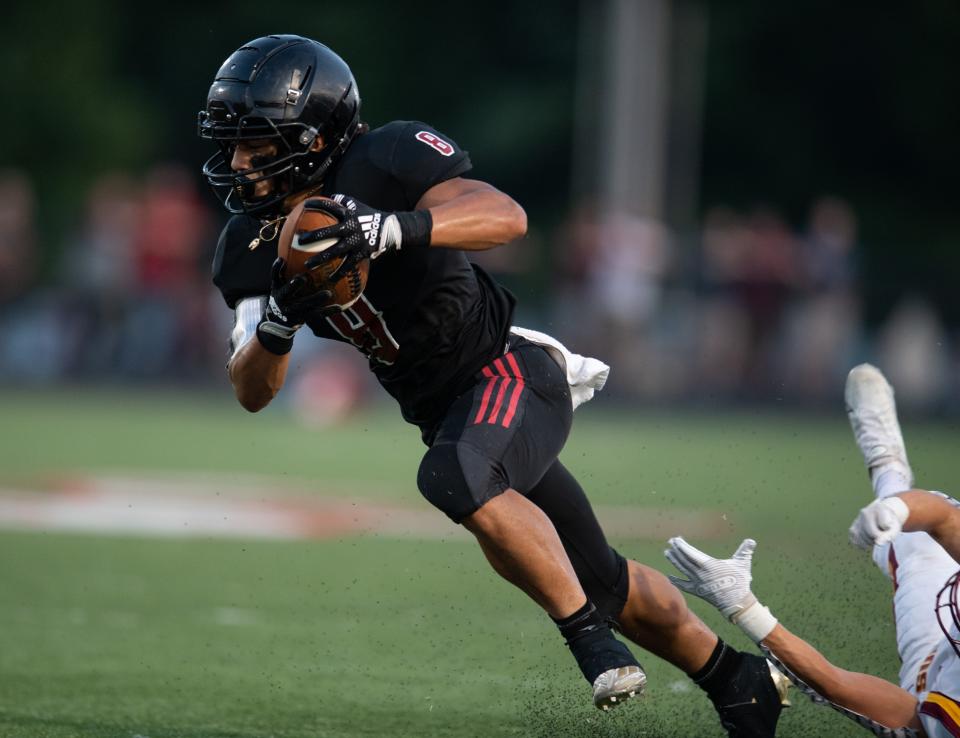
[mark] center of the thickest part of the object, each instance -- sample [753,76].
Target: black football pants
[506,433]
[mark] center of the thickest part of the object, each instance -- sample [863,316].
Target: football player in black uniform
[493,406]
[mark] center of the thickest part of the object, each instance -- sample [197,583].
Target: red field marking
[198,506]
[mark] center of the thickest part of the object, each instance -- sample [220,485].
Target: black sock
[580,623]
[592,642]
[714,677]
[741,689]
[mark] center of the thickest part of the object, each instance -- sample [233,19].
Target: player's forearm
[476,217]
[936,516]
[867,695]
[256,375]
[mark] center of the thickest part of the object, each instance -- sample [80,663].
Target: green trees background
[855,99]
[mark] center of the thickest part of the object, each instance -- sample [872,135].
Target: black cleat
[749,705]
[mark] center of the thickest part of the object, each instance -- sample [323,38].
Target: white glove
[724,583]
[879,522]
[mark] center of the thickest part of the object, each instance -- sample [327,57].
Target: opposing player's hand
[724,583]
[291,301]
[879,522]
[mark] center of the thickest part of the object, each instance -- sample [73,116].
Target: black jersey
[428,320]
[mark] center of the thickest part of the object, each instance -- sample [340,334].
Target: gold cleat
[616,686]
[781,682]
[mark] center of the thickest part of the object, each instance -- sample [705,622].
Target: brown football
[347,288]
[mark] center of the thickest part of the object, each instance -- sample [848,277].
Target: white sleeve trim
[246,315]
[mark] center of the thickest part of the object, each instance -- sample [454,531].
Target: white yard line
[184,506]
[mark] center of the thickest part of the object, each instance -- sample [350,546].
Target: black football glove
[363,232]
[291,302]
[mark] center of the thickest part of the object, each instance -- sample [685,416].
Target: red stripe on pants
[502,371]
[492,380]
[499,402]
[517,391]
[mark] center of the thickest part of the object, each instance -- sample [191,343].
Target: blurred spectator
[614,266]
[770,272]
[625,277]
[722,333]
[749,270]
[165,332]
[912,348]
[31,350]
[825,327]
[174,230]
[98,276]
[18,257]
[578,245]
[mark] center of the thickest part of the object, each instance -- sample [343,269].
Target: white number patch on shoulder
[435,142]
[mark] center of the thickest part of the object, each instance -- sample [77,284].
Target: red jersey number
[363,326]
[435,142]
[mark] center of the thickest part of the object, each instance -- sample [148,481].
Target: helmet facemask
[293,168]
[948,611]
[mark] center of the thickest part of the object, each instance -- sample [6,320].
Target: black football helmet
[287,89]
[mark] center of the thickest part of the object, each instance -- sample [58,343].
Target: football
[347,288]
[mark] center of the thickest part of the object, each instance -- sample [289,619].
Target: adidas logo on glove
[371,228]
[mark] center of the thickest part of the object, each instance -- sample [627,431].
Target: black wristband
[272,342]
[415,227]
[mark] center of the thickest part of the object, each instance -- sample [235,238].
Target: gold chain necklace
[274,224]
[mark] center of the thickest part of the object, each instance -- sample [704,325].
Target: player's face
[252,154]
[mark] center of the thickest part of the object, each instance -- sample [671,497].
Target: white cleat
[615,686]
[873,418]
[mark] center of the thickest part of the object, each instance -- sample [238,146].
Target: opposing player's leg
[652,613]
[501,438]
[873,418]
[916,563]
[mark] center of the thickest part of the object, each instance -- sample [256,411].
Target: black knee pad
[458,480]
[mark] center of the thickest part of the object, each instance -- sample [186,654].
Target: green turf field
[126,636]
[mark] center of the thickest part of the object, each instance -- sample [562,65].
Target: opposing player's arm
[863,694]
[917,510]
[472,215]
[725,584]
[935,515]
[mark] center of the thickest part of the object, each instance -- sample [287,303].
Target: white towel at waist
[584,374]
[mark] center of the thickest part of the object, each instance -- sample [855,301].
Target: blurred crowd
[128,298]
[747,309]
